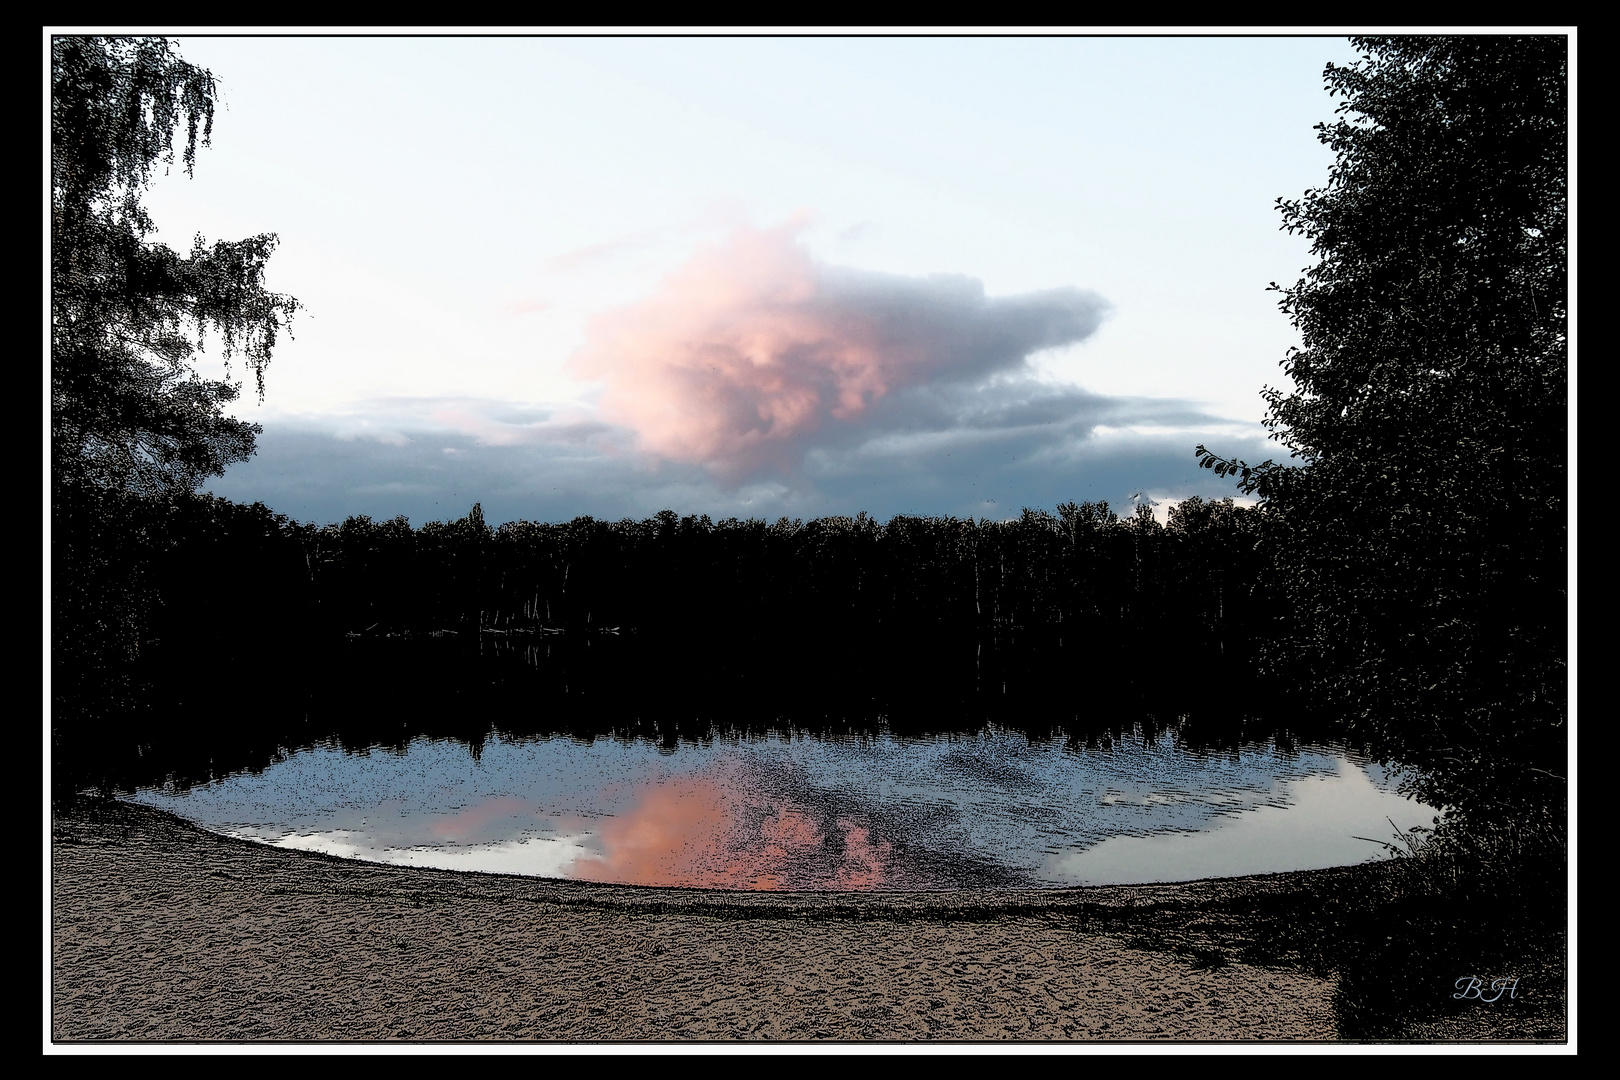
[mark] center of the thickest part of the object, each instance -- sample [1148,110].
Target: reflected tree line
[1080,624]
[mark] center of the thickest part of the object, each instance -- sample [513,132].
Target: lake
[996,808]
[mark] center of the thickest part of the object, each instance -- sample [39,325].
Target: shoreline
[164,931]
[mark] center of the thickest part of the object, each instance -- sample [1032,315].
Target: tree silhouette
[1419,550]
[129,411]
[134,427]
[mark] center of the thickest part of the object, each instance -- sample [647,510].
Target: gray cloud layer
[757,382]
[986,451]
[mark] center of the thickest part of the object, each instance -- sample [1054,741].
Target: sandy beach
[162,931]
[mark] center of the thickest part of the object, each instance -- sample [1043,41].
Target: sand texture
[162,931]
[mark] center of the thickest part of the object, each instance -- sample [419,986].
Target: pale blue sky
[454,213]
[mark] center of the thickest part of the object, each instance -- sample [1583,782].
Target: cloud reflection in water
[696,832]
[990,810]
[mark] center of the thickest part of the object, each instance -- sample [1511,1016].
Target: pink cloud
[752,352]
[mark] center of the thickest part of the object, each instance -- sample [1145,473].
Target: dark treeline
[1079,623]
[1042,580]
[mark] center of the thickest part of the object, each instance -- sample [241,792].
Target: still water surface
[802,812]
